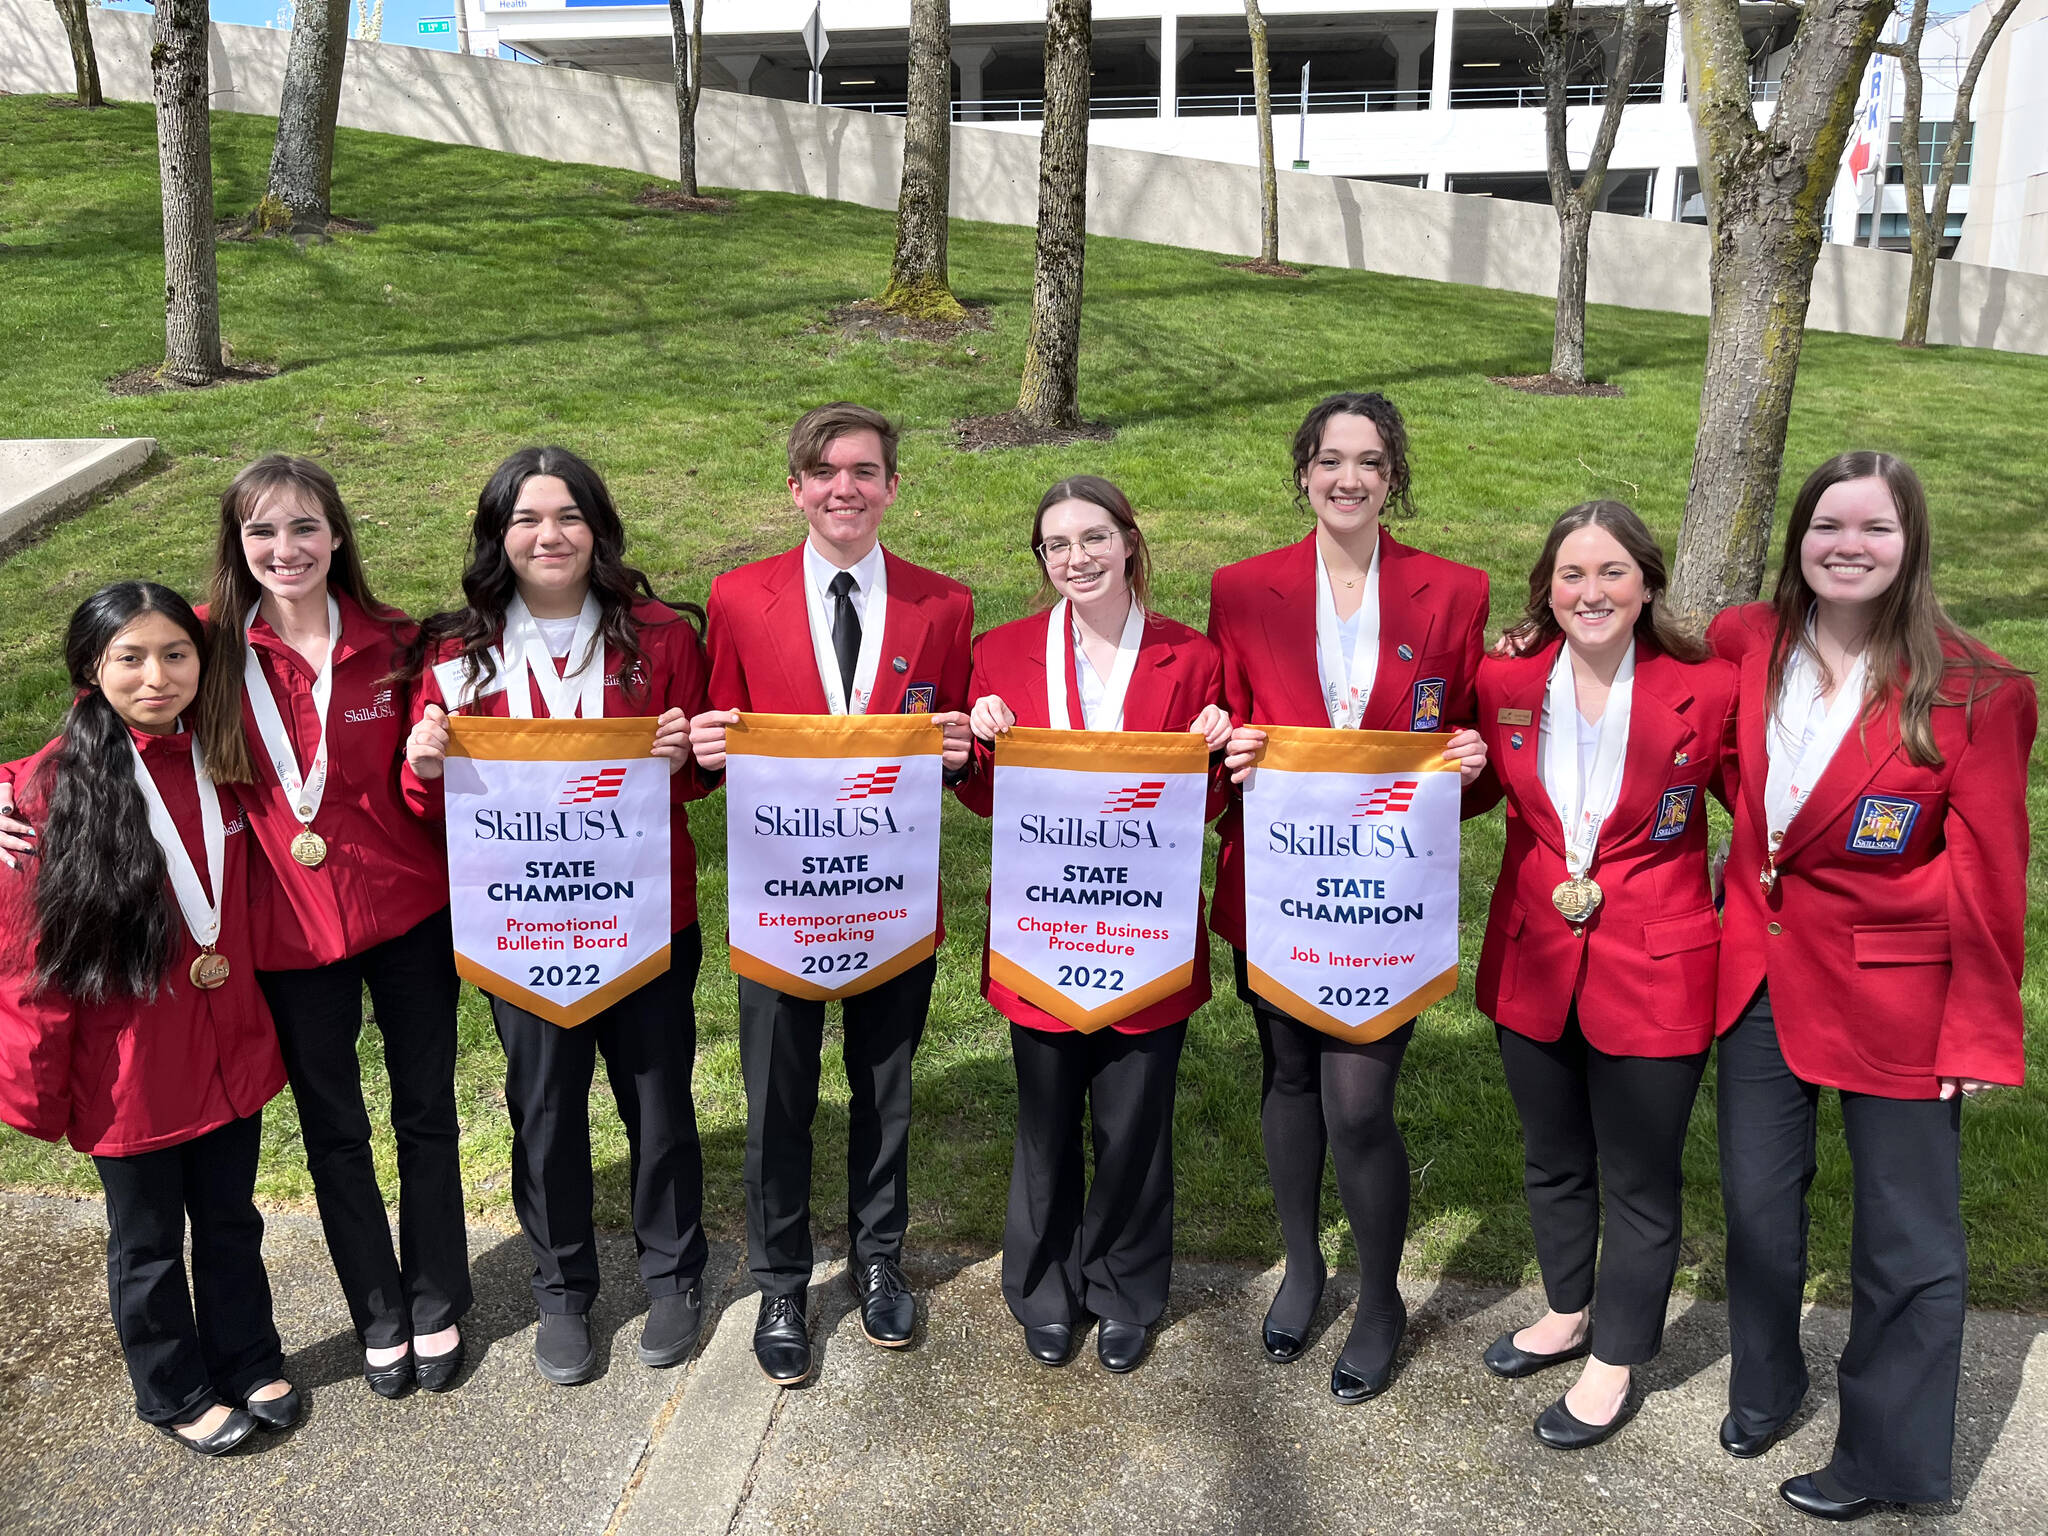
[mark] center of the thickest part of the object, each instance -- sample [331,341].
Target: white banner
[558,860]
[1351,877]
[832,849]
[1095,875]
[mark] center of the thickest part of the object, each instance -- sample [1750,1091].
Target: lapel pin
[1515,740]
[900,664]
[1406,653]
[1679,760]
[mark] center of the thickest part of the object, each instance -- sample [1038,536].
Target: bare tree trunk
[184,140]
[918,281]
[1766,189]
[1051,393]
[1269,180]
[299,196]
[85,64]
[686,20]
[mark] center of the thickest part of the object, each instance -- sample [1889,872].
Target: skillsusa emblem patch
[1427,711]
[1883,824]
[919,697]
[1674,813]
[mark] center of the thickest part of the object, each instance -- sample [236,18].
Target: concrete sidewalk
[960,1432]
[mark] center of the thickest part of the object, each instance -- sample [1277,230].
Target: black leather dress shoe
[393,1380]
[1747,1447]
[437,1373]
[1562,1430]
[1805,1495]
[1050,1343]
[237,1427]
[1282,1347]
[275,1412]
[1120,1346]
[782,1340]
[669,1335]
[1504,1357]
[1351,1387]
[888,1311]
[562,1348]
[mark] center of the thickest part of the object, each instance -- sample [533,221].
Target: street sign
[429,25]
[815,43]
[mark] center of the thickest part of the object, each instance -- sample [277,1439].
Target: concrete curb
[41,478]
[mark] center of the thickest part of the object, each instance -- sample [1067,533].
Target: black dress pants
[1072,1249]
[189,1348]
[649,1041]
[781,1042]
[1907,1262]
[1593,1124]
[424,1286]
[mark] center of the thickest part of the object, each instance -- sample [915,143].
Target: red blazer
[385,871]
[1179,674]
[1642,967]
[1894,939]
[670,676]
[136,1075]
[760,640]
[1262,616]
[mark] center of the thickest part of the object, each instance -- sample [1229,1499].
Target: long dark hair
[1915,649]
[1384,415]
[1654,625]
[234,590]
[489,582]
[1107,495]
[105,926]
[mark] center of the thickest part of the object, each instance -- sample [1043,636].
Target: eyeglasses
[1095,544]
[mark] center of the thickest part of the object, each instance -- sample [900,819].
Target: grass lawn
[504,301]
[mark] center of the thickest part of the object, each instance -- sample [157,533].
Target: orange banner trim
[514,741]
[585,1007]
[1378,1027]
[757,735]
[1313,749]
[1007,972]
[755,969]
[1030,746]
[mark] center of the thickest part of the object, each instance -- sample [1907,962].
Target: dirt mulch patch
[1266,268]
[866,320]
[1551,384]
[243,227]
[149,380]
[972,434]
[675,200]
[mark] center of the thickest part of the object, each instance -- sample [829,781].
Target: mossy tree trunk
[919,281]
[298,198]
[1766,189]
[85,64]
[177,67]
[1262,89]
[1051,395]
[686,20]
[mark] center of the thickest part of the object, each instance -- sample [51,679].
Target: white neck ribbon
[877,606]
[523,652]
[1063,651]
[1583,807]
[303,793]
[202,916]
[1347,681]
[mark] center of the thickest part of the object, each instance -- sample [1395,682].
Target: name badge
[1883,824]
[1516,717]
[1427,710]
[1674,813]
[919,698]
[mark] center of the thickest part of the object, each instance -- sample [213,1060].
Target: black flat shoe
[782,1340]
[888,1310]
[1282,1347]
[1562,1430]
[669,1336]
[1747,1447]
[437,1373]
[237,1427]
[1050,1343]
[562,1348]
[1120,1346]
[1804,1495]
[1504,1357]
[275,1412]
[393,1380]
[1352,1387]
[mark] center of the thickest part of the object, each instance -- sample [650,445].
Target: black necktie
[845,630]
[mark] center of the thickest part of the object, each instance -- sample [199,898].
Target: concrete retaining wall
[769,145]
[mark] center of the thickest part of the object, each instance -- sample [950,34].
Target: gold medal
[209,970]
[310,848]
[1576,899]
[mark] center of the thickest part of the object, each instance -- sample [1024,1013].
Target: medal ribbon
[304,794]
[1347,682]
[1794,772]
[202,917]
[827,658]
[1061,654]
[523,652]
[1583,807]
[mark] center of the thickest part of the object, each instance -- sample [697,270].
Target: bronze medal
[1576,899]
[209,970]
[310,848]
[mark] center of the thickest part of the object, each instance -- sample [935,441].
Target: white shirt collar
[819,571]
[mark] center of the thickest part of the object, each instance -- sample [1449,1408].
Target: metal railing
[1589,95]
[1764,90]
[1022,109]
[1288,103]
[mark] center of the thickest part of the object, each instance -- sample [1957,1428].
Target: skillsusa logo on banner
[601,785]
[1387,799]
[1135,797]
[876,781]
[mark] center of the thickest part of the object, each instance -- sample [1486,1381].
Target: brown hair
[1914,647]
[1654,625]
[1105,494]
[1384,415]
[233,590]
[816,430]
